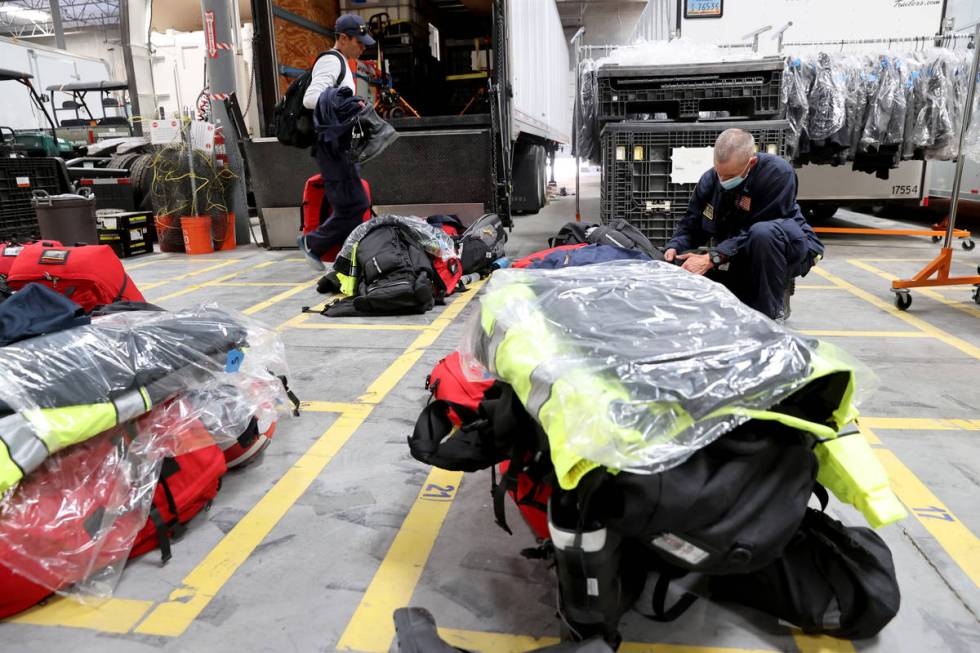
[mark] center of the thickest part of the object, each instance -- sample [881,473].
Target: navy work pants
[344,201]
[773,254]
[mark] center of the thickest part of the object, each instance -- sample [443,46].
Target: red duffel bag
[89,275]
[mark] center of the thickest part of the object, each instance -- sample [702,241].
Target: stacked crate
[19,178]
[645,112]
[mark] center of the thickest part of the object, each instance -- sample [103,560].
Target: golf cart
[83,130]
[32,142]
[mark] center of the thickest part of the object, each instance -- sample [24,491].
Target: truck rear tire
[818,211]
[527,180]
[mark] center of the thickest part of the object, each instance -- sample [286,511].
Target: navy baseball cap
[353,25]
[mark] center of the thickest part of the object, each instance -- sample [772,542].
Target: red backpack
[188,484]
[449,434]
[90,275]
[537,256]
[313,198]
[54,515]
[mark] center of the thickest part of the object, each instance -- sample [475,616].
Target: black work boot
[372,135]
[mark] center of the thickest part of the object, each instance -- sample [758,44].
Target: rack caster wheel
[976,295]
[903,299]
[936,239]
[968,244]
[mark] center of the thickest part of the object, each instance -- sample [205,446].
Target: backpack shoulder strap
[343,65]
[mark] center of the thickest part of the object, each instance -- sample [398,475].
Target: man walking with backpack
[343,191]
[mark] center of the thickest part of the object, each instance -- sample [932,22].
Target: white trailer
[49,67]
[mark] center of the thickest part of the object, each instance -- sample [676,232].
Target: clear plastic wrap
[70,523]
[795,96]
[586,113]
[635,366]
[827,98]
[435,241]
[886,107]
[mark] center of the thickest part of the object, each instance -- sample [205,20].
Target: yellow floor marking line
[371,629]
[920,424]
[194,288]
[259,284]
[357,326]
[821,644]
[487,642]
[173,617]
[112,616]
[815,286]
[913,260]
[866,431]
[384,383]
[958,541]
[968,308]
[919,323]
[356,410]
[275,299]
[864,334]
[188,275]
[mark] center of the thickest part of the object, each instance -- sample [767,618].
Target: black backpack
[571,233]
[622,234]
[482,244]
[732,507]
[396,276]
[293,123]
[832,579]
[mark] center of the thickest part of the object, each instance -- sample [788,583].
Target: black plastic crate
[745,89]
[127,233]
[111,192]
[19,178]
[637,166]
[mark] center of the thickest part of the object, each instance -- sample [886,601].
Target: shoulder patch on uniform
[709,212]
[744,202]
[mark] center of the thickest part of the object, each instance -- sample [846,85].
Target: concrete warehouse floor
[312,549]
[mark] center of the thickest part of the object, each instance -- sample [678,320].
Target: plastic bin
[637,167]
[744,89]
[19,178]
[111,192]
[67,218]
[126,232]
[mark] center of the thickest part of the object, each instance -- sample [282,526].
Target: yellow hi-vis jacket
[28,437]
[582,400]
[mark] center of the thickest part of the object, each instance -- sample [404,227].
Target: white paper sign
[689,163]
[202,136]
[164,132]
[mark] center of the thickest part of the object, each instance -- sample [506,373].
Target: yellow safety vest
[580,399]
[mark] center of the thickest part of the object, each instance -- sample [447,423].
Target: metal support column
[576,41]
[218,19]
[59,29]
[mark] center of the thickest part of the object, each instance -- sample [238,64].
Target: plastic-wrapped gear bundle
[635,366]
[109,402]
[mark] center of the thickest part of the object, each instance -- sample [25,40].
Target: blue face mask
[735,182]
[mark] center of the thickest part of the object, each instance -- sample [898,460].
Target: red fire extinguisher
[220,153]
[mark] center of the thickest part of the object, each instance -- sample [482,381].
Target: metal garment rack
[936,273]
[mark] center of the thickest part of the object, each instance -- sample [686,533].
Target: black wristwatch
[717,258]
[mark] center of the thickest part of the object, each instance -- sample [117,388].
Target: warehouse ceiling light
[27,15]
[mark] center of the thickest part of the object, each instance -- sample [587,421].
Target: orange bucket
[197,234]
[223,232]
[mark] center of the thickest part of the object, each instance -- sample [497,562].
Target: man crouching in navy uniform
[745,212]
